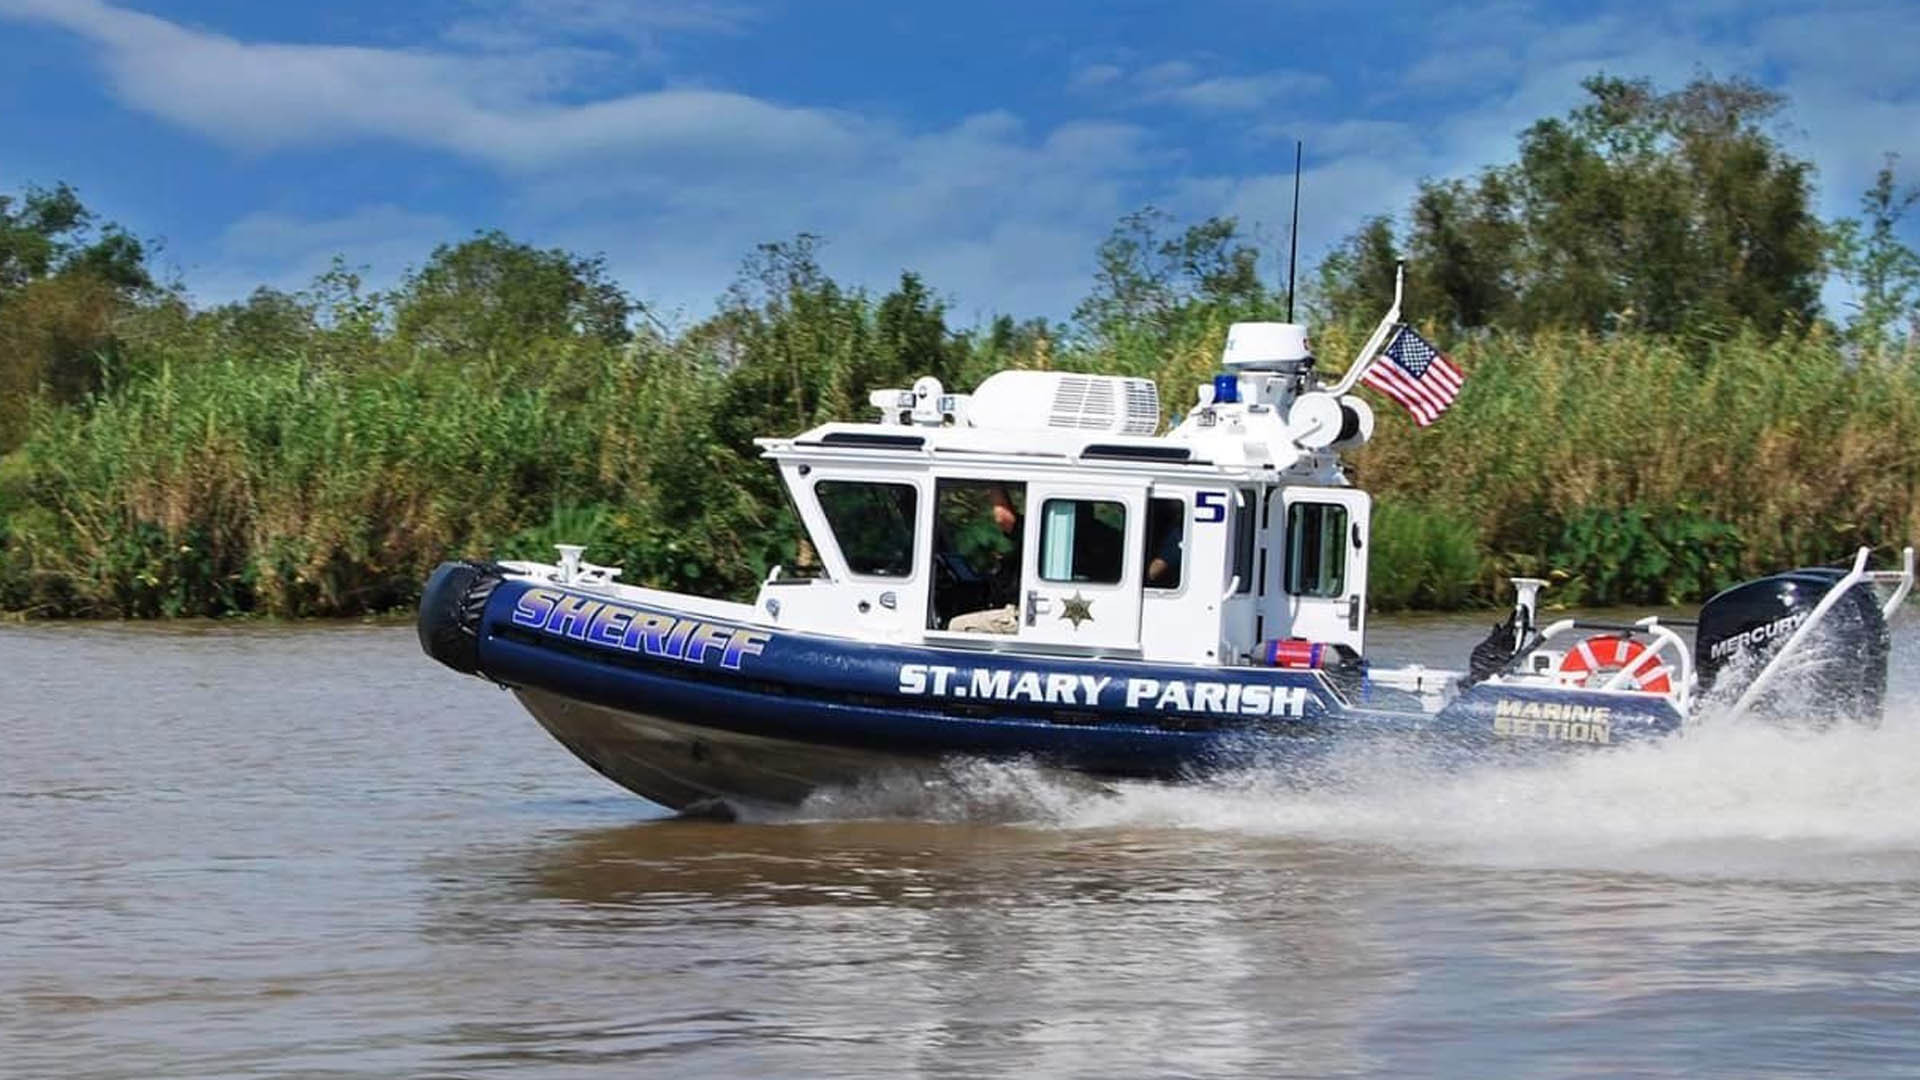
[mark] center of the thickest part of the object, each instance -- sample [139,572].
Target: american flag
[1415,374]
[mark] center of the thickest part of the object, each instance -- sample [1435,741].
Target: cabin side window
[1316,549]
[1246,520]
[1166,543]
[1082,540]
[872,522]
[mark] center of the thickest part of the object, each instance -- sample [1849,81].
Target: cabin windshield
[873,523]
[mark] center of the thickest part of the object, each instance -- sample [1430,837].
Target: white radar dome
[1266,346]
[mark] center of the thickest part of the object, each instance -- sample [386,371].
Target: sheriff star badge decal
[1076,609]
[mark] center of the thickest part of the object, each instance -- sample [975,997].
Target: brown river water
[310,852]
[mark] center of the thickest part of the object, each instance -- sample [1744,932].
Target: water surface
[309,852]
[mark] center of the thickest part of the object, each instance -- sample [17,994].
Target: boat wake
[1726,797]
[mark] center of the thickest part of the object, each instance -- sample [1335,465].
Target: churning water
[1731,795]
[1724,798]
[264,852]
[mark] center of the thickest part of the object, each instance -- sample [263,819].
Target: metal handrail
[1760,682]
[1652,626]
[1904,576]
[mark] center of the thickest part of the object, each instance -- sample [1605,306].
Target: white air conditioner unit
[1028,400]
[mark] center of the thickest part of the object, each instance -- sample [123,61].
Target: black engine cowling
[1843,670]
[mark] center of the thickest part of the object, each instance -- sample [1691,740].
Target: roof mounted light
[927,404]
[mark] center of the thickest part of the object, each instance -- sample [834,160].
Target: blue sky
[989,145]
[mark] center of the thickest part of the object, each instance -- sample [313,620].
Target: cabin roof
[1259,428]
[894,441]
[1170,456]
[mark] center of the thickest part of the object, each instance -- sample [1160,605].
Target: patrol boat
[1035,571]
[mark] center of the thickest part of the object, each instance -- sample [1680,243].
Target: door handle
[1036,605]
[1353,612]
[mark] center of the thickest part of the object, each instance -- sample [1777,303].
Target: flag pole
[1372,348]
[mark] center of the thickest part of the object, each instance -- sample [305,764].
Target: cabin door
[1080,584]
[1323,563]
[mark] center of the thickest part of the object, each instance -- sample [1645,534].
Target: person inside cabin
[1000,615]
[1164,549]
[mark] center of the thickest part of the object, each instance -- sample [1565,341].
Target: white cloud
[1095,76]
[1167,74]
[1241,93]
[1193,84]
[633,21]
[490,108]
[611,36]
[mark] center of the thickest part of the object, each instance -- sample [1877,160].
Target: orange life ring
[1605,655]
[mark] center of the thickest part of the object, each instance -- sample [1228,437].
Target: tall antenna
[1293,239]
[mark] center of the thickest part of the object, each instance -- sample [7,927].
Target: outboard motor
[1841,670]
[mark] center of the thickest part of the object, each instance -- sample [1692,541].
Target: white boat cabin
[1046,512]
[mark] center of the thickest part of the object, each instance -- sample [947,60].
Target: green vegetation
[1423,557]
[1632,470]
[1656,406]
[1665,213]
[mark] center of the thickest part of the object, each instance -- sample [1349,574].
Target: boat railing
[1665,643]
[1901,580]
[571,569]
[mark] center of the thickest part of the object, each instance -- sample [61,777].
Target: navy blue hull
[683,708]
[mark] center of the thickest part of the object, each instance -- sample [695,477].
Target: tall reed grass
[290,486]
[1637,469]
[307,482]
